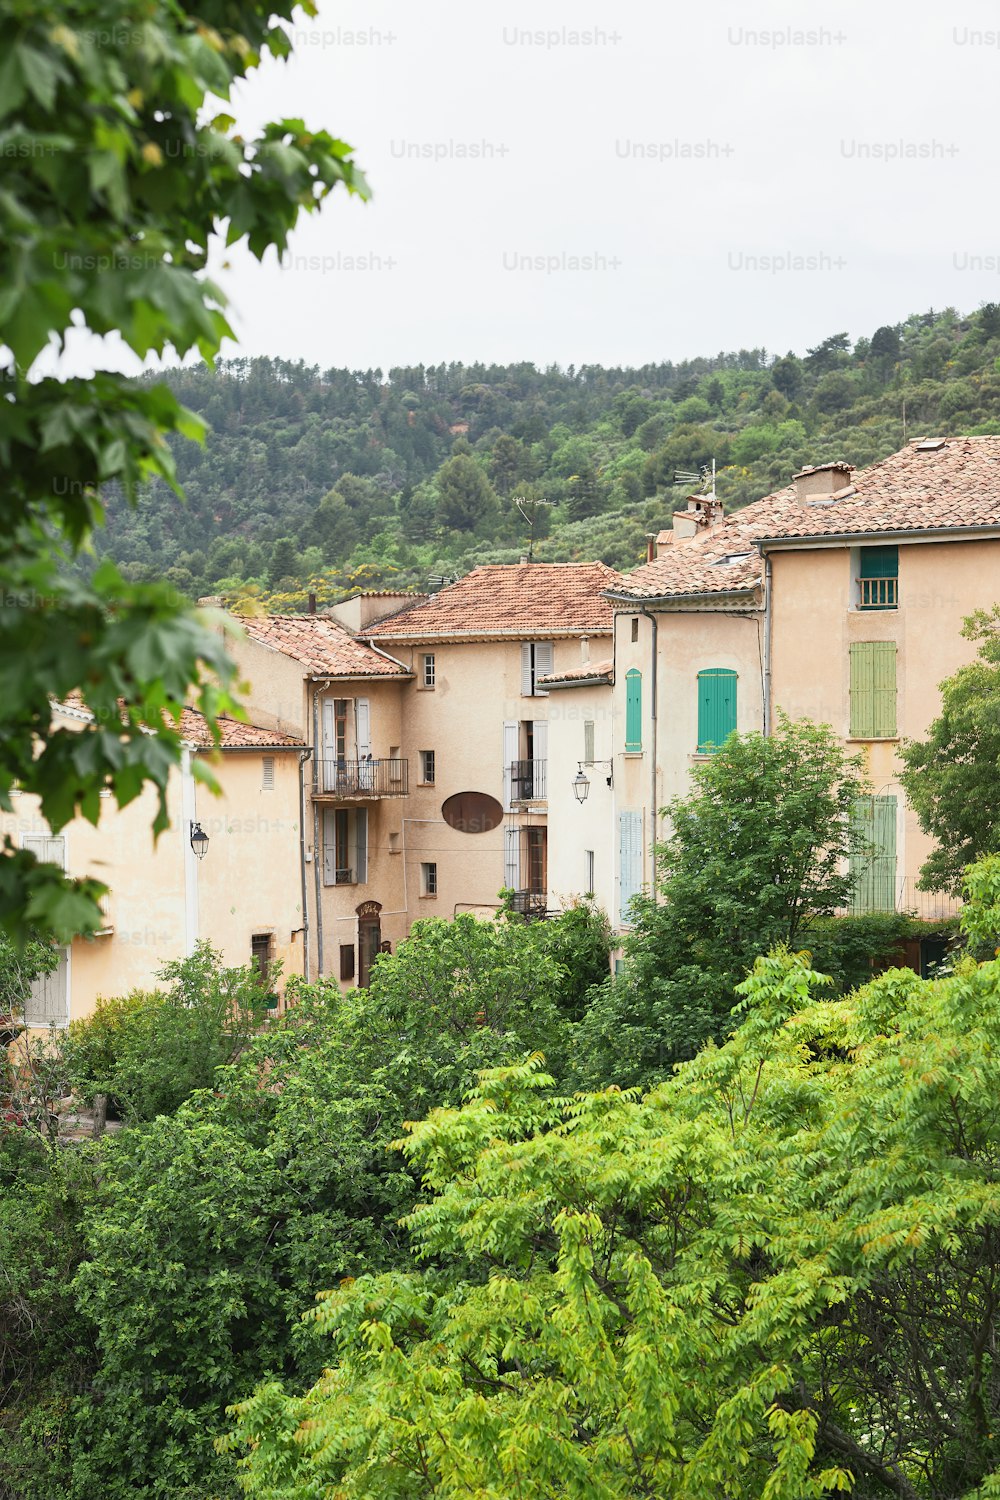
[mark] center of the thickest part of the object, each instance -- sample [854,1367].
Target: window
[716,708]
[536,661]
[260,954]
[347,961]
[395,764]
[267,773]
[629,860]
[588,741]
[635,628]
[536,852]
[50,848]
[588,865]
[633,710]
[345,846]
[427,674]
[428,879]
[873,864]
[873,690]
[878,583]
[427,767]
[47,1003]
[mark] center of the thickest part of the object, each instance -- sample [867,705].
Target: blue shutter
[629,860]
[716,708]
[633,709]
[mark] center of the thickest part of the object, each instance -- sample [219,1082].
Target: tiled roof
[235,734]
[591,671]
[321,644]
[955,488]
[521,599]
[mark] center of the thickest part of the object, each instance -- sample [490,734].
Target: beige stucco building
[243,895]
[840,599]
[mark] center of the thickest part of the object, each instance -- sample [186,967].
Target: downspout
[652,770]
[190,862]
[317,851]
[303,757]
[767,644]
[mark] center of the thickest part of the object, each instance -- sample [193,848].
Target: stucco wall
[575,827]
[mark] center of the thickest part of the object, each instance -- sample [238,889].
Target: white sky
[785,127]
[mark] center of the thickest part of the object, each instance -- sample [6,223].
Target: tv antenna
[527,507]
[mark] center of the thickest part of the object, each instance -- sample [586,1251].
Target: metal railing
[528,780]
[362,778]
[530,904]
[929,906]
[879,593]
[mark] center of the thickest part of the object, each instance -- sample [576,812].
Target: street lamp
[199,841]
[581,781]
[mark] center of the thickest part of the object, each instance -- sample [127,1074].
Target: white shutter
[527,675]
[267,773]
[588,741]
[363,727]
[540,743]
[512,858]
[543,665]
[328,768]
[511,731]
[329,846]
[48,999]
[48,847]
[361,845]
[629,860]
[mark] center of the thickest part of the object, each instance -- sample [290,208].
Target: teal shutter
[873,868]
[629,860]
[633,709]
[873,690]
[716,708]
[879,577]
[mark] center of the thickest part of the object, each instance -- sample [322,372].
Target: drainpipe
[653,748]
[767,644]
[303,757]
[317,849]
[188,810]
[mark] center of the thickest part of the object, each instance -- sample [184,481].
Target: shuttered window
[873,690]
[536,661]
[629,860]
[588,741]
[716,708]
[873,866]
[47,1003]
[512,858]
[267,773]
[633,709]
[879,578]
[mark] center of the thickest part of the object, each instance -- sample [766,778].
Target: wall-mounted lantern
[199,841]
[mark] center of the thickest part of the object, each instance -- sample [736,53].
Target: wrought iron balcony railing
[361,779]
[528,780]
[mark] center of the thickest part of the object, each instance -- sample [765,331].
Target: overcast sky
[737,175]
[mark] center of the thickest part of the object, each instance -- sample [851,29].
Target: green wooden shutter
[873,690]
[633,709]
[716,708]
[873,867]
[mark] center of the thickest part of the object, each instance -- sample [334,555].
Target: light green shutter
[873,690]
[716,708]
[633,709]
[873,868]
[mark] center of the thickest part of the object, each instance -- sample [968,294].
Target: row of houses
[524,727]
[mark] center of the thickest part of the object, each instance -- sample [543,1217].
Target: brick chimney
[824,482]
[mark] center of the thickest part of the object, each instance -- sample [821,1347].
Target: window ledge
[873,739]
[633,754]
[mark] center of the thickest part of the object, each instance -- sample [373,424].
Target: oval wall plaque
[472,812]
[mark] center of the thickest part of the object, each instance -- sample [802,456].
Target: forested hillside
[325,478]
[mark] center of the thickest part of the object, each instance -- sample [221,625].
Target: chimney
[650,545]
[311,607]
[823,483]
[703,513]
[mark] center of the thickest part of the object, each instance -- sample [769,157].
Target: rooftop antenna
[520,502]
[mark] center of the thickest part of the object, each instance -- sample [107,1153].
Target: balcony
[529,904]
[360,780]
[878,593]
[528,780]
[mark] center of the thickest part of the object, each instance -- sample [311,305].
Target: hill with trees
[330,479]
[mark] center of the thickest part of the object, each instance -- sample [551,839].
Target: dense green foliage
[340,478]
[774,1277]
[116,179]
[183,1250]
[755,853]
[148,1051]
[951,777]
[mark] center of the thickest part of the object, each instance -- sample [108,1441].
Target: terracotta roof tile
[591,671]
[321,644]
[235,734]
[521,599]
[951,488]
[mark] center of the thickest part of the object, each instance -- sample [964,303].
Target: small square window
[428,676]
[588,857]
[427,767]
[428,879]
